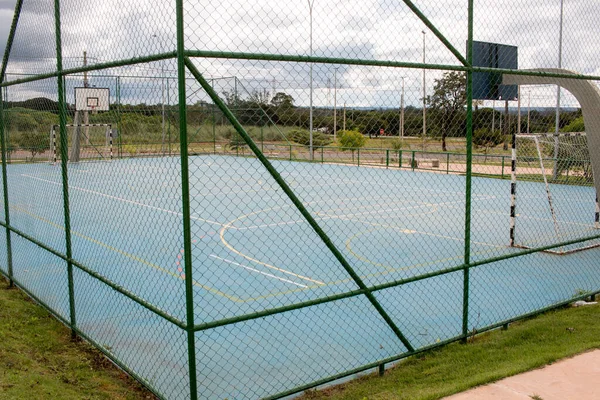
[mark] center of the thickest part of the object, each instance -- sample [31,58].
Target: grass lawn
[526,345]
[38,359]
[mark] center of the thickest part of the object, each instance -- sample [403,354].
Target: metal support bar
[185,204]
[468,178]
[3,146]
[436,32]
[11,37]
[62,117]
[99,277]
[288,191]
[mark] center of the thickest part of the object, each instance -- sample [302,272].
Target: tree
[282,101]
[576,125]
[351,140]
[487,139]
[35,142]
[448,102]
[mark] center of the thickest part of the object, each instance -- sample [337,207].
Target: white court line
[257,271]
[123,200]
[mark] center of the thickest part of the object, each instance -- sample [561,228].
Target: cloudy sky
[364,29]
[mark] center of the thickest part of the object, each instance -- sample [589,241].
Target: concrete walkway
[576,378]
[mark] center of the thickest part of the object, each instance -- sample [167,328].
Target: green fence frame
[185,67]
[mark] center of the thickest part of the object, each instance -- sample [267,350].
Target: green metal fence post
[290,152]
[387,158]
[412,160]
[185,200]
[5,189]
[468,180]
[358,157]
[322,150]
[62,118]
[502,176]
[399,158]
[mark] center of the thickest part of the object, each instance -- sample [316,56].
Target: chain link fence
[280,195]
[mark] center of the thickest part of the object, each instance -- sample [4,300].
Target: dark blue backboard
[487,85]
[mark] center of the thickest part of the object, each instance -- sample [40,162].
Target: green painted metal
[93,67]
[469,176]
[3,143]
[288,191]
[436,32]
[99,277]
[387,285]
[318,60]
[183,62]
[355,371]
[100,347]
[11,38]
[62,116]
[185,204]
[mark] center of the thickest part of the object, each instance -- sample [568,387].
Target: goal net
[86,142]
[553,199]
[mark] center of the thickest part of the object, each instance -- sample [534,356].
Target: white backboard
[92,99]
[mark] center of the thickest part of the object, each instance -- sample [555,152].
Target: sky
[364,29]
[6,14]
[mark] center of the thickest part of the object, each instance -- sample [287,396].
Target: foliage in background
[302,137]
[351,140]
[448,104]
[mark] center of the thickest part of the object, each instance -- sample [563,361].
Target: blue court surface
[252,251]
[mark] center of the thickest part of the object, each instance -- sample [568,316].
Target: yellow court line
[131,256]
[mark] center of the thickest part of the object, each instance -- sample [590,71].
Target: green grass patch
[38,359]
[526,345]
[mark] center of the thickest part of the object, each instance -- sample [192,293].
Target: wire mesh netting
[280,195]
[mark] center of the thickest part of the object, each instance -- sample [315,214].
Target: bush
[302,137]
[351,140]
[487,138]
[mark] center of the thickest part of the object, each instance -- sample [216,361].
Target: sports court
[252,251]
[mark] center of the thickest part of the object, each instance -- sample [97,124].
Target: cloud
[357,29]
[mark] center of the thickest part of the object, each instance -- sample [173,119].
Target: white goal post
[98,154]
[558,200]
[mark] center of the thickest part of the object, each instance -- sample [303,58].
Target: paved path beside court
[576,378]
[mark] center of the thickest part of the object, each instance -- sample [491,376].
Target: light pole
[162,89]
[493,117]
[557,117]
[528,110]
[401,130]
[310,147]
[335,103]
[424,100]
